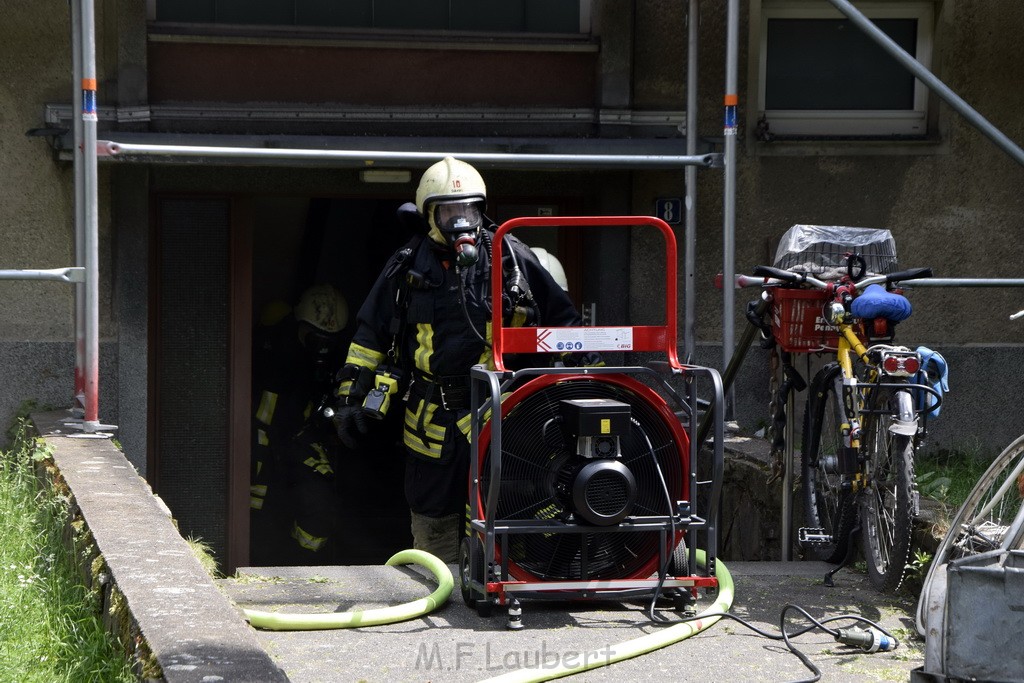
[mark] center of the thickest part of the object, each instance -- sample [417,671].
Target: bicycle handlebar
[781,276]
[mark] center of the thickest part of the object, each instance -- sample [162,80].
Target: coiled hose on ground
[278,621]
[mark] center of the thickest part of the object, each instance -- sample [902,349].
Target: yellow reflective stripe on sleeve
[344,388]
[265,410]
[363,356]
[465,424]
[255,503]
[424,346]
[258,489]
[306,539]
[262,438]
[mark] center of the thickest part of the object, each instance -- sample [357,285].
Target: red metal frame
[644,337]
[650,338]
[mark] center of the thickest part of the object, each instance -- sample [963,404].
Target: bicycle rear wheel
[888,504]
[827,507]
[981,523]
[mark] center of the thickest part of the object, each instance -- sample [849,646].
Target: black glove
[350,422]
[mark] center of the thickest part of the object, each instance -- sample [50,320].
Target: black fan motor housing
[600,492]
[586,451]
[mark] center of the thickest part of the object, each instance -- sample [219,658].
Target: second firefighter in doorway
[296,449]
[425,323]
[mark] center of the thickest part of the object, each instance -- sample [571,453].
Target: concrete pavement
[455,644]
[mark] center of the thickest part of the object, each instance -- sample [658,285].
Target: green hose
[277,621]
[637,646]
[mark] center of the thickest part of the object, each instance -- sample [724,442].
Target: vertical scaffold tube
[90,197]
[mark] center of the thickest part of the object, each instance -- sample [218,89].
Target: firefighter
[295,448]
[424,324]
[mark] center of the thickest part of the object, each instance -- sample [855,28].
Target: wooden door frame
[240,382]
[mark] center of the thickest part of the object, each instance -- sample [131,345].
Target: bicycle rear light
[900,364]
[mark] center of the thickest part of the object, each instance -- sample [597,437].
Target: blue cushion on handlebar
[877,302]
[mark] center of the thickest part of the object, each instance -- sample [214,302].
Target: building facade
[191,249]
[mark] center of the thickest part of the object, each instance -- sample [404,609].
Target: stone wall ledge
[165,608]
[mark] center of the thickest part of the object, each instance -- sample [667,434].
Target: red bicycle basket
[797,322]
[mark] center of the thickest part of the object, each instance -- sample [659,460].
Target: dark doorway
[317,491]
[220,264]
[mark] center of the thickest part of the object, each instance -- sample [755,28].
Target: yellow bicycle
[861,423]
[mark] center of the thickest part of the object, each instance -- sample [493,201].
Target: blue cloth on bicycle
[934,372]
[877,302]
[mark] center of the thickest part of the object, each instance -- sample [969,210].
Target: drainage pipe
[638,646]
[277,621]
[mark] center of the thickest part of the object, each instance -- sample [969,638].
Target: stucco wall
[35,197]
[37,317]
[955,204]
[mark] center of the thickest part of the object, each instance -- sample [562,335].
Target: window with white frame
[820,76]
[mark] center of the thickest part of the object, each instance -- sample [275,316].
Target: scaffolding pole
[55,274]
[90,217]
[78,406]
[690,234]
[729,188]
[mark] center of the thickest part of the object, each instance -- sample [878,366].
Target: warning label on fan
[585,339]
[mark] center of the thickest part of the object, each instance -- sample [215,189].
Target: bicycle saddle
[877,302]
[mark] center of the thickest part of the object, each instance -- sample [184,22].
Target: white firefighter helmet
[552,265]
[323,307]
[459,187]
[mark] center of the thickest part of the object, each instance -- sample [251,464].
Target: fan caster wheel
[684,602]
[468,573]
[484,606]
[679,564]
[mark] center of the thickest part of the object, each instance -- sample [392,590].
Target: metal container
[984,617]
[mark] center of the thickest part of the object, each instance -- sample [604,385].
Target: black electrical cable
[785,636]
[663,568]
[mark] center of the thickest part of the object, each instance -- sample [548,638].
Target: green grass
[949,477]
[50,629]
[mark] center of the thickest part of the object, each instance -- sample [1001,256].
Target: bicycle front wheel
[982,521]
[828,511]
[888,504]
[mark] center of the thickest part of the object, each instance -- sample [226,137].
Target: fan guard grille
[536,457]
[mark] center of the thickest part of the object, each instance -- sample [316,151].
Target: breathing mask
[459,223]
